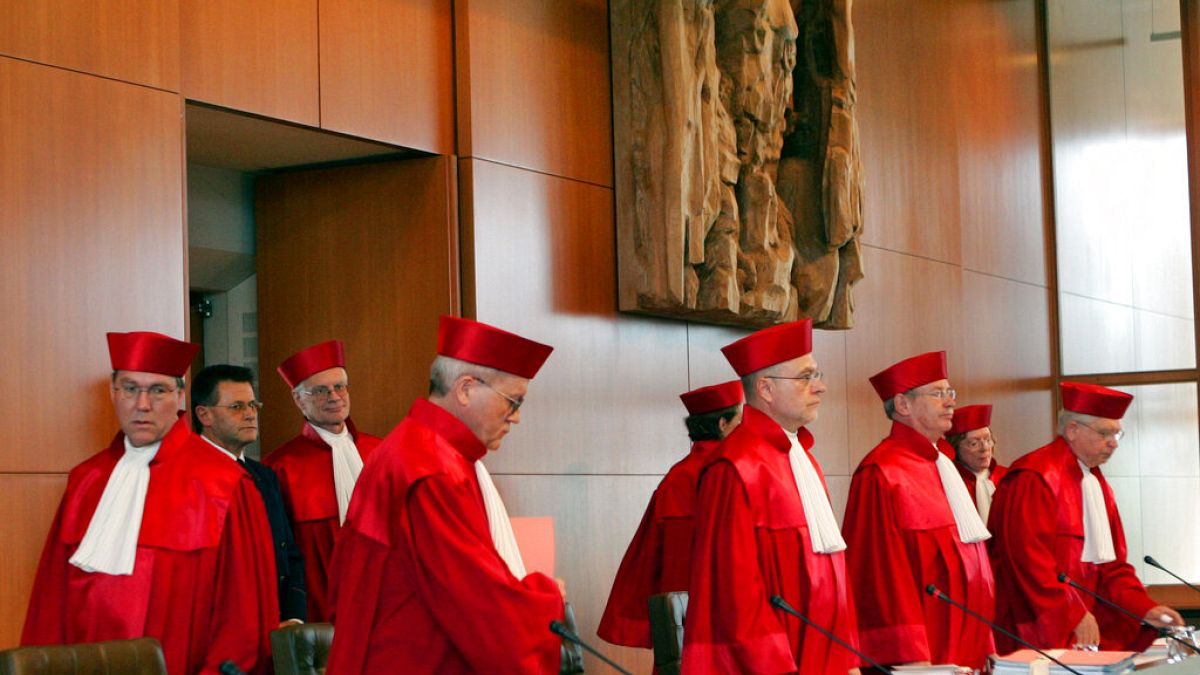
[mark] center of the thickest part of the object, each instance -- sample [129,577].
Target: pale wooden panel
[1006,338]
[907,120]
[999,139]
[1162,425]
[131,40]
[27,506]
[364,254]
[1163,342]
[607,400]
[533,85]
[387,71]
[706,363]
[1097,336]
[91,211]
[1168,514]
[1129,492]
[906,306]
[594,519]
[259,56]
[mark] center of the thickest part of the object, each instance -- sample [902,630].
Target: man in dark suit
[225,413]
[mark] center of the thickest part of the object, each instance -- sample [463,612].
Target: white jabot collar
[498,523]
[822,526]
[1097,533]
[110,543]
[347,465]
[970,527]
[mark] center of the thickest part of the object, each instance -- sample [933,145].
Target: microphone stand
[933,590]
[560,629]
[779,602]
[1151,561]
[1162,632]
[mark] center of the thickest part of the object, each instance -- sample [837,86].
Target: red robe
[1037,523]
[659,556]
[417,585]
[203,581]
[995,473]
[902,537]
[305,469]
[751,543]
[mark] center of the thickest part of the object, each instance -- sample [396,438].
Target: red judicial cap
[1092,399]
[770,346]
[911,372]
[485,345]
[309,361]
[970,418]
[714,397]
[150,353]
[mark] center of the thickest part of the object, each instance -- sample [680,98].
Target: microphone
[1151,561]
[230,668]
[1162,632]
[779,602]
[560,629]
[933,590]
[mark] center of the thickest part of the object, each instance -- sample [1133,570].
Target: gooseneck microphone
[1154,563]
[933,590]
[230,668]
[779,602]
[560,629]
[1162,632]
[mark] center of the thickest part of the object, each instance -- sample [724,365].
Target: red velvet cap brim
[970,418]
[479,343]
[909,373]
[770,346]
[309,361]
[1095,400]
[148,352]
[714,397]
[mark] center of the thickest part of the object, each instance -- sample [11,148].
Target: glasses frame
[1104,435]
[513,404]
[341,389]
[240,407]
[156,392]
[809,376]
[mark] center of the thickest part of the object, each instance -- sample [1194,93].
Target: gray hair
[1065,417]
[446,370]
[750,380]
[299,388]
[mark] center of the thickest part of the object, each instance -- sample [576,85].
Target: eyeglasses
[156,392]
[239,407]
[514,404]
[322,392]
[1105,435]
[807,376]
[977,443]
[936,393]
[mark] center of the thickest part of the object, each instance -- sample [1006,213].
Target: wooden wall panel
[131,40]
[28,503]
[91,215]
[999,140]
[387,71]
[606,401]
[533,85]
[364,254]
[259,56]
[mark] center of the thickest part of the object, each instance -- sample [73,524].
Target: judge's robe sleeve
[246,598]
[730,626]
[888,596]
[1024,523]
[499,624]
[45,620]
[626,619]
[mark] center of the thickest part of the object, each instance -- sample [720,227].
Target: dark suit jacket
[289,563]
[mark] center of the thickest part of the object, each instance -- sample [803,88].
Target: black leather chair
[301,649]
[142,656]
[666,630]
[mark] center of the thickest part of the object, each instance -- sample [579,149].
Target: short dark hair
[707,426]
[955,439]
[207,381]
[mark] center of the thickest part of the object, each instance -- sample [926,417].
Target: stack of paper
[1088,663]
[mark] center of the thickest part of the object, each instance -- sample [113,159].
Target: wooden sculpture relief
[739,185]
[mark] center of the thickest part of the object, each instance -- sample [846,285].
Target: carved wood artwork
[738,177]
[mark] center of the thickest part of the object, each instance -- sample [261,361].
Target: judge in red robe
[180,548]
[423,577]
[765,527]
[1044,525]
[306,464]
[910,523]
[659,557]
[975,454]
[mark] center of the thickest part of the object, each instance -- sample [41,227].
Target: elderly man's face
[794,392]
[324,398]
[1093,443]
[494,406]
[147,404]
[931,408]
[976,449]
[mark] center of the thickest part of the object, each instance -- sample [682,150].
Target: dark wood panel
[27,506]
[259,56]
[387,71]
[131,40]
[533,85]
[91,214]
[364,254]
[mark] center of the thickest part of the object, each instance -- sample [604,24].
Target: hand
[1164,617]
[1087,633]
[854,671]
[562,587]
[290,622]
